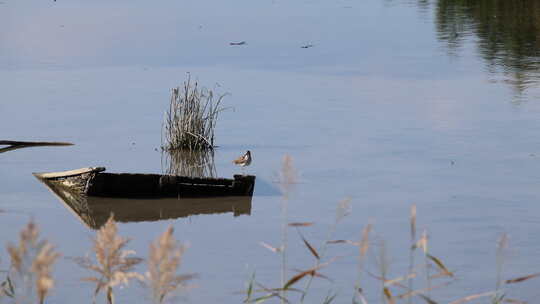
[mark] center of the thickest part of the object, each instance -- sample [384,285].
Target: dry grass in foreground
[113,266]
[164,259]
[425,271]
[29,277]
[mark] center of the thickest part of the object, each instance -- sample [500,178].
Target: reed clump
[165,257]
[191,119]
[113,265]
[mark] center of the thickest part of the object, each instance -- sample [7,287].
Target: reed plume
[288,176]
[112,264]
[29,279]
[164,259]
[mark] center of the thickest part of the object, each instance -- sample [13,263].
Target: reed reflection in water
[188,163]
[507,35]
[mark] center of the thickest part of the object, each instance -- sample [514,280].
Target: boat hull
[95,182]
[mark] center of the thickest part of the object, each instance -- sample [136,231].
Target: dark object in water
[238,43]
[95,182]
[94,211]
[14,145]
[307,46]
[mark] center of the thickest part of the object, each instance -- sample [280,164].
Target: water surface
[389,107]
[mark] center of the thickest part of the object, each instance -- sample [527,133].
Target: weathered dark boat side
[94,211]
[150,185]
[95,182]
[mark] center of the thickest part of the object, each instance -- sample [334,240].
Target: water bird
[244,160]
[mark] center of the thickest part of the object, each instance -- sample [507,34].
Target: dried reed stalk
[191,118]
[113,265]
[473,297]
[363,247]
[502,245]
[423,243]
[164,259]
[384,264]
[31,265]
[288,176]
[411,250]
[343,209]
[287,180]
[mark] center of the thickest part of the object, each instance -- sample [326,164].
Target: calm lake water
[398,102]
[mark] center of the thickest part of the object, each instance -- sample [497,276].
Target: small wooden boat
[95,182]
[94,211]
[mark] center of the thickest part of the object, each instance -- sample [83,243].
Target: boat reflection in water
[93,195]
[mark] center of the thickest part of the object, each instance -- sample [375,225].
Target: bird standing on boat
[244,160]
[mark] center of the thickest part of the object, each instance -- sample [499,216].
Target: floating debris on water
[14,145]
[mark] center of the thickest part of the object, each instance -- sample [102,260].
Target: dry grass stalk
[384,265]
[164,259]
[473,297]
[301,224]
[42,267]
[272,292]
[288,178]
[391,282]
[113,265]
[363,247]
[310,247]
[313,272]
[413,222]
[502,245]
[388,296]
[342,210]
[443,271]
[364,241]
[359,296]
[411,251]
[514,301]
[31,260]
[422,243]
[420,292]
[269,247]
[191,118]
[523,278]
